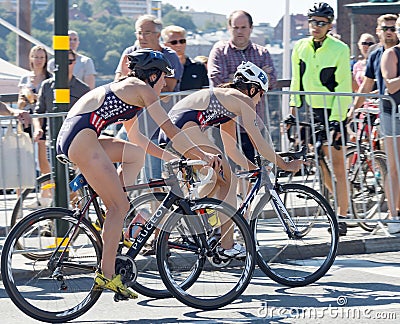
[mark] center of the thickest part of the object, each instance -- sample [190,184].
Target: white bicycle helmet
[253,74]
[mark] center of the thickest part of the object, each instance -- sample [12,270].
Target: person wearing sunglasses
[148,32]
[386,32]
[321,63]
[194,73]
[390,126]
[364,44]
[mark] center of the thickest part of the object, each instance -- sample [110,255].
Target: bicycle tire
[302,260]
[64,295]
[181,255]
[20,211]
[148,281]
[367,192]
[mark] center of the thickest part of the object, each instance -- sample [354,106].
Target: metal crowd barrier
[275,111]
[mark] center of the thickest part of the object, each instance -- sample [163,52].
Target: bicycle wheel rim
[182,257]
[306,258]
[37,290]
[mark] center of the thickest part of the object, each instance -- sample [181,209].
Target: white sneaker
[237,251]
[393,228]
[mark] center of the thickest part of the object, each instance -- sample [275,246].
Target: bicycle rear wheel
[306,257]
[30,199]
[367,190]
[193,270]
[43,289]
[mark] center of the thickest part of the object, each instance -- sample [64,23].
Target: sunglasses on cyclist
[367,43]
[70,61]
[180,41]
[386,28]
[317,23]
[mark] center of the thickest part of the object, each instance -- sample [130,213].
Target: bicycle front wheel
[304,252]
[189,259]
[368,199]
[59,287]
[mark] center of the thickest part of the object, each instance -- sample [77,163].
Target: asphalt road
[362,288]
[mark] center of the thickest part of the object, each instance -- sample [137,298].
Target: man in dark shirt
[194,73]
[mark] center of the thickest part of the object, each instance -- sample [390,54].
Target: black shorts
[319,117]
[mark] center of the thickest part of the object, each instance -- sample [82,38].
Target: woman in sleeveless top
[94,155]
[220,106]
[390,126]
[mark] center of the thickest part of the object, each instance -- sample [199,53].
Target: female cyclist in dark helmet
[79,139]
[220,106]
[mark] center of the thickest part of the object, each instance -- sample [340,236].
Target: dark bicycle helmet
[322,9]
[145,62]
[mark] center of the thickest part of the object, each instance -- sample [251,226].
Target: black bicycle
[295,228]
[365,166]
[56,284]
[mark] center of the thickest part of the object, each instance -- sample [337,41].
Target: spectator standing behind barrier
[45,104]
[84,67]
[148,32]
[321,63]
[29,86]
[202,59]
[226,56]
[364,43]
[390,67]
[386,32]
[77,89]
[194,73]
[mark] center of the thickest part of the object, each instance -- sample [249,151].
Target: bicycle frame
[264,179]
[175,196]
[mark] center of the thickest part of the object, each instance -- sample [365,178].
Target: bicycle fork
[283,215]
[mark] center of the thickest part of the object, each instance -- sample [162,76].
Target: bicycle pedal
[119,297]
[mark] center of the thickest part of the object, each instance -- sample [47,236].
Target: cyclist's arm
[135,136]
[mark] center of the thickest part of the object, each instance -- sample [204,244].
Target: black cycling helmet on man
[146,62]
[322,9]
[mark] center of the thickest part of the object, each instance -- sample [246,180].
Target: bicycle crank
[126,267]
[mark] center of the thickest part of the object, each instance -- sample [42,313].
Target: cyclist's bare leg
[95,160]
[392,186]
[338,163]
[226,184]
